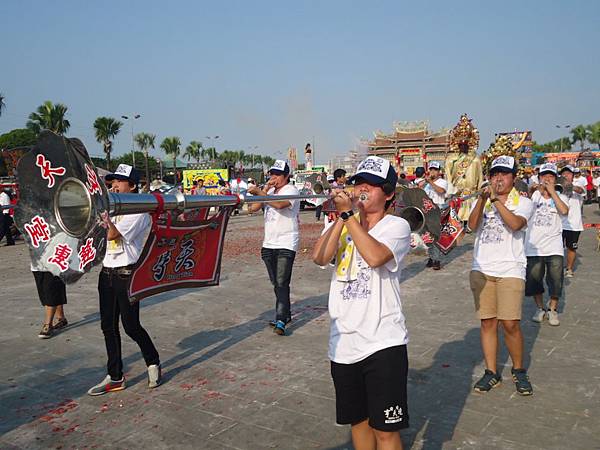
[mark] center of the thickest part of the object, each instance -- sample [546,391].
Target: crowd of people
[520,241]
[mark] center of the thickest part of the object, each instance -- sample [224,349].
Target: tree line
[52,116]
[579,134]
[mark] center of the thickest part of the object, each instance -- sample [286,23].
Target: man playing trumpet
[544,246]
[282,237]
[368,337]
[499,219]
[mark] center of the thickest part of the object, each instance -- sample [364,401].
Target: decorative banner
[183,255]
[451,228]
[211,179]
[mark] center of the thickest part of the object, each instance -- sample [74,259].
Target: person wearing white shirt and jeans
[572,223]
[282,237]
[126,238]
[436,188]
[368,335]
[6,219]
[544,246]
[499,218]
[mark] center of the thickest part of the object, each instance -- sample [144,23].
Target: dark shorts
[374,389]
[51,289]
[570,239]
[549,266]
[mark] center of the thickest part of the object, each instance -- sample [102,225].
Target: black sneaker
[522,381]
[488,381]
[429,263]
[437,265]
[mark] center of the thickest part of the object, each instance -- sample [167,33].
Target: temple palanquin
[410,145]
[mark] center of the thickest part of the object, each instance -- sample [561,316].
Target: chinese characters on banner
[184,256]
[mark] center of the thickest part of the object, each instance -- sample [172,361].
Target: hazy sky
[278,73]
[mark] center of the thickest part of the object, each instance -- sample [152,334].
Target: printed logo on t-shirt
[492,231]
[358,289]
[393,414]
[544,214]
[269,214]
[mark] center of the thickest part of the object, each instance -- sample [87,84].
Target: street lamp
[561,139]
[214,156]
[131,119]
[159,161]
[252,150]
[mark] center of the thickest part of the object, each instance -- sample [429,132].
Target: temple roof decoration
[464,132]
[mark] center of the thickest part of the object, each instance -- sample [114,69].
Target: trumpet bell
[415,218]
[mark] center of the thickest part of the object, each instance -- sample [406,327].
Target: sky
[266,75]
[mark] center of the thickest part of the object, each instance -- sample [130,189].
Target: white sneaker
[154,375]
[569,273]
[539,316]
[553,318]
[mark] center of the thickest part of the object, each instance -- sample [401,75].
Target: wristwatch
[346,215]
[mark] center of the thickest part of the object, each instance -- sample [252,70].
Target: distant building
[410,145]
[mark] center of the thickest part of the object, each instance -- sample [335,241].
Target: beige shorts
[496,297]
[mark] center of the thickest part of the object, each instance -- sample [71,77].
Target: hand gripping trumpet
[61,209]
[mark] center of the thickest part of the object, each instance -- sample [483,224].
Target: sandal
[60,323]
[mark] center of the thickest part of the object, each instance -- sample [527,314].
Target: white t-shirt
[582,183]
[366,314]
[596,182]
[574,221]
[499,251]
[4,200]
[544,229]
[126,250]
[281,225]
[438,199]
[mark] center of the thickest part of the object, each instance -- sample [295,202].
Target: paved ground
[231,383]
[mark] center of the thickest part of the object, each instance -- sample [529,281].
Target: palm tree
[194,150]
[107,129]
[145,142]
[579,134]
[172,146]
[2,104]
[49,117]
[594,134]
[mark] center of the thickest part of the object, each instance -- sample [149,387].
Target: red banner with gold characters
[183,254]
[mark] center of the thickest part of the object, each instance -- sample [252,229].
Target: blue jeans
[551,267]
[279,262]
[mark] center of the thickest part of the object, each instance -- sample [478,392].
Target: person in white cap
[435,188]
[499,218]
[572,223]
[544,246]
[368,335]
[126,238]
[281,240]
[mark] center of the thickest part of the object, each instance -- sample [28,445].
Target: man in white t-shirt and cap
[499,219]
[572,223]
[282,237]
[368,335]
[436,188]
[126,237]
[544,245]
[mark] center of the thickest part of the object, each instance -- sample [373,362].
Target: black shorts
[374,389]
[51,289]
[570,238]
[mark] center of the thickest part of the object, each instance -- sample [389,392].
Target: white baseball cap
[435,165]
[280,167]
[375,170]
[548,168]
[503,164]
